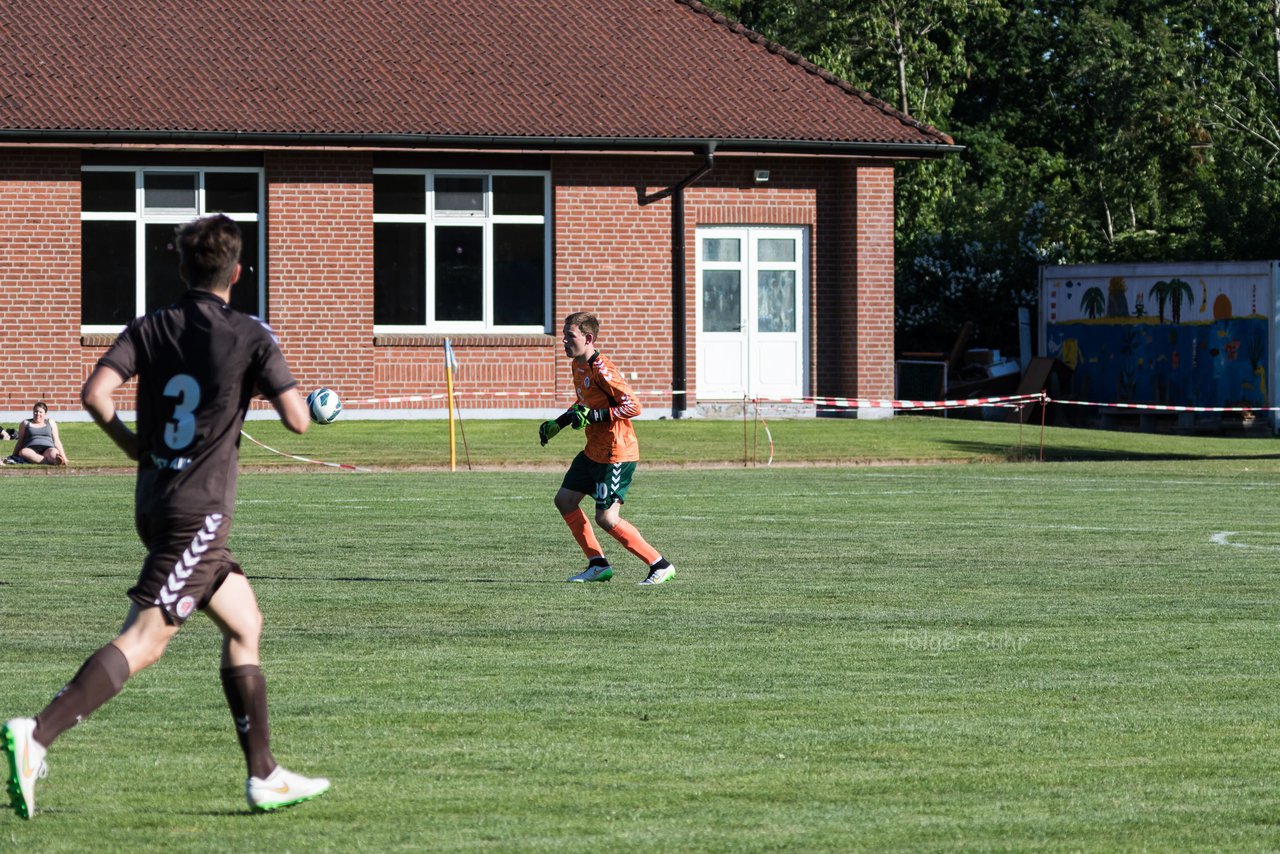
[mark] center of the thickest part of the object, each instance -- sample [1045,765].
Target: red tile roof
[569,72]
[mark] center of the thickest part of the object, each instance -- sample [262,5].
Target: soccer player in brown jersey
[604,469]
[198,364]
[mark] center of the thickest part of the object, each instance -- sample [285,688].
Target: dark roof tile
[570,69]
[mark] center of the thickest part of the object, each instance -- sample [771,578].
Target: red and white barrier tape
[427,398]
[1008,401]
[866,403]
[1161,407]
[343,466]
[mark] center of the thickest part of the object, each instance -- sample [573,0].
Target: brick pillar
[872,313]
[320,267]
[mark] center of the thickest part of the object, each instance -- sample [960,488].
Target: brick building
[408,172]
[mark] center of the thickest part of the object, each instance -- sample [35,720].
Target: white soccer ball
[324,405]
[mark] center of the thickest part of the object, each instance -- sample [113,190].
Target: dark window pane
[169,190]
[164,285]
[399,194]
[108,273]
[518,195]
[244,295]
[459,273]
[108,191]
[399,273]
[231,192]
[519,275]
[459,194]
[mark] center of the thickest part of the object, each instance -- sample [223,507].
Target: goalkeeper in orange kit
[604,469]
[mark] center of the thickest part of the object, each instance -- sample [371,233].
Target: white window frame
[141,217]
[485,221]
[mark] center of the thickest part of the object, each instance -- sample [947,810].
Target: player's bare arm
[292,410]
[96,396]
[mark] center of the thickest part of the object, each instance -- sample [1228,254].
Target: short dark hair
[41,404]
[208,251]
[586,321]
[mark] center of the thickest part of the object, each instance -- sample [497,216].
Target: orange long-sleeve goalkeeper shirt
[599,385]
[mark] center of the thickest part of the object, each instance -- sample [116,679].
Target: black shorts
[187,561]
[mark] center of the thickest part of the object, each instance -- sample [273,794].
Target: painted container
[1185,334]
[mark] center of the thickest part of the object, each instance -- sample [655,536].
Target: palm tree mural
[1178,291]
[1257,351]
[1160,290]
[1093,302]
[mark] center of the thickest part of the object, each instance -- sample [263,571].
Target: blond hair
[584,320]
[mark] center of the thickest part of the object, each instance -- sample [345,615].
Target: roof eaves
[88,136]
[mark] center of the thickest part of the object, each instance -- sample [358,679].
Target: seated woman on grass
[38,440]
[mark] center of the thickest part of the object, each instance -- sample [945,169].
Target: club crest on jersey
[586,382]
[185,606]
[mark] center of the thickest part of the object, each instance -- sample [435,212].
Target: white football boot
[282,788]
[594,572]
[657,576]
[26,764]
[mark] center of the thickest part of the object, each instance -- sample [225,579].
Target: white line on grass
[1223,538]
[1068,480]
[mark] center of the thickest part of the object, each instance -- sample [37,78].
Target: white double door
[752,324]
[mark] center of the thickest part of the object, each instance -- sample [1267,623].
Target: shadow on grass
[1030,451]
[370,579]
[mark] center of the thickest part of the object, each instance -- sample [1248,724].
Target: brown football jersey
[198,363]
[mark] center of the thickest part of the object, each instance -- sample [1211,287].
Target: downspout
[679,309]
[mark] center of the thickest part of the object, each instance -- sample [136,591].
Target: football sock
[660,563]
[99,679]
[246,690]
[580,526]
[626,533]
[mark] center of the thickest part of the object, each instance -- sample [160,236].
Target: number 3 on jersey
[181,429]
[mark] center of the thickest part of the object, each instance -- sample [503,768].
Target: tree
[1094,130]
[1240,74]
[1237,78]
[1093,302]
[1179,290]
[1161,291]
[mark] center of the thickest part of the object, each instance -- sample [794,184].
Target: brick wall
[39,276]
[320,266]
[615,256]
[612,256]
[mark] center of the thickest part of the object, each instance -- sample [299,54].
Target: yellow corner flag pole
[449,365]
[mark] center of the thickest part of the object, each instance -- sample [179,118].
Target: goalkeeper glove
[547,431]
[583,416]
[576,416]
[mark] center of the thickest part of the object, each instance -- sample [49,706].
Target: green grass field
[994,656]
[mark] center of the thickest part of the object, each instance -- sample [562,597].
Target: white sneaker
[594,572]
[282,788]
[26,764]
[657,576]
